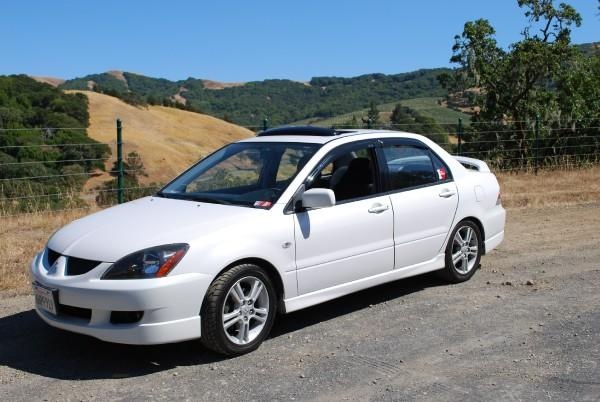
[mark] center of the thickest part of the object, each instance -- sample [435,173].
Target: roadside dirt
[527,326]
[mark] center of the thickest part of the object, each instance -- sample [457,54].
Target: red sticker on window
[263,204]
[442,175]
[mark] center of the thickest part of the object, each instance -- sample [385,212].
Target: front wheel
[239,310]
[463,252]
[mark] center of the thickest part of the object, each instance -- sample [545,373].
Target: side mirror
[316,198]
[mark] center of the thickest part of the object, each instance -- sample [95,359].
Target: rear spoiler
[473,164]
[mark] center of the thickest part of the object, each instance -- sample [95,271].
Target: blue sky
[248,40]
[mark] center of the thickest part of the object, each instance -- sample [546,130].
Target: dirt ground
[526,327]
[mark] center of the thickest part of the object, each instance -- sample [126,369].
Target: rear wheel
[239,310]
[463,252]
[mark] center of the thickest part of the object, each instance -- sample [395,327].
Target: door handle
[446,193]
[378,208]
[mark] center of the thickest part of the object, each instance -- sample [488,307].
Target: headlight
[152,262]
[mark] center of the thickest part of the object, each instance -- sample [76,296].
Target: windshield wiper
[207,199]
[193,197]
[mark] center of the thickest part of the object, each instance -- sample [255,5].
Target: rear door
[424,199]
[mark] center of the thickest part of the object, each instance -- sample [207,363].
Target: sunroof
[303,130]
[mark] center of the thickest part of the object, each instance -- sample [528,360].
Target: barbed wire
[58,161]
[465,121]
[128,159]
[67,175]
[45,211]
[43,129]
[90,144]
[556,151]
[76,193]
[502,150]
[597,138]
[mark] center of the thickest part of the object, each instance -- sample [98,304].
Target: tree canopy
[542,74]
[44,147]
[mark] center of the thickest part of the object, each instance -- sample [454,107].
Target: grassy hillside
[168,140]
[38,161]
[282,101]
[427,107]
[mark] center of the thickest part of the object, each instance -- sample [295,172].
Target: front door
[354,238]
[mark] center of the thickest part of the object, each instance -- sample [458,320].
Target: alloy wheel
[245,310]
[465,249]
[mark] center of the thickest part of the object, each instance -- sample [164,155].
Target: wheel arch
[271,271]
[477,222]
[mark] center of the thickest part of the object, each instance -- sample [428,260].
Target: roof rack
[302,130]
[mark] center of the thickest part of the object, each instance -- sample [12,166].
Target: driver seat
[356,182]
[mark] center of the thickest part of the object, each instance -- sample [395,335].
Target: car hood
[113,233]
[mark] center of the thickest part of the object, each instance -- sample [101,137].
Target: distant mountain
[281,101]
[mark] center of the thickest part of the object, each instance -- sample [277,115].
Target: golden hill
[168,140]
[49,80]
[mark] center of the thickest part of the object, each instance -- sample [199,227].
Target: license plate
[45,298]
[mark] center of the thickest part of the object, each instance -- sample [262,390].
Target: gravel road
[527,326]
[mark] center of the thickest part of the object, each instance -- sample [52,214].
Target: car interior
[350,176]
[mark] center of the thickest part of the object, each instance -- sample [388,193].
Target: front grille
[52,257]
[74,265]
[79,266]
[78,312]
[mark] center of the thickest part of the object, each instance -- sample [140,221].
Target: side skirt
[323,295]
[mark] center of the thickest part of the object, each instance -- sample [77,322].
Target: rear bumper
[494,228]
[494,242]
[170,306]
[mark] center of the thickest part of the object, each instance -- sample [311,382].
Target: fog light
[125,317]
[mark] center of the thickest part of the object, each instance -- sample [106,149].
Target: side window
[409,166]
[350,175]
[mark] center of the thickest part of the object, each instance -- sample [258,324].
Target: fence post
[120,187]
[369,123]
[459,135]
[536,143]
[265,124]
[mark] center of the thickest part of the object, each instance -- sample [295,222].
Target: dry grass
[168,140]
[550,187]
[210,84]
[49,80]
[22,236]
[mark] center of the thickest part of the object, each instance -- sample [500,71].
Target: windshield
[253,174]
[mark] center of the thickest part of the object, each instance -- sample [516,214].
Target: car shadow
[30,345]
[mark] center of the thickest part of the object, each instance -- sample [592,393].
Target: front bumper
[170,305]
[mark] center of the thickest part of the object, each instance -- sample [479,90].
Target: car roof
[320,135]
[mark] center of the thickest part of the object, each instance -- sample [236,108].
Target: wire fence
[40,173]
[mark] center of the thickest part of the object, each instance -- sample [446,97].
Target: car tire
[238,310]
[463,252]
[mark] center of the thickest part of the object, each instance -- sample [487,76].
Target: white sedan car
[291,218]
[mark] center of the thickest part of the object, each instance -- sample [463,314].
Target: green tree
[515,82]
[373,113]
[133,167]
[541,74]
[400,115]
